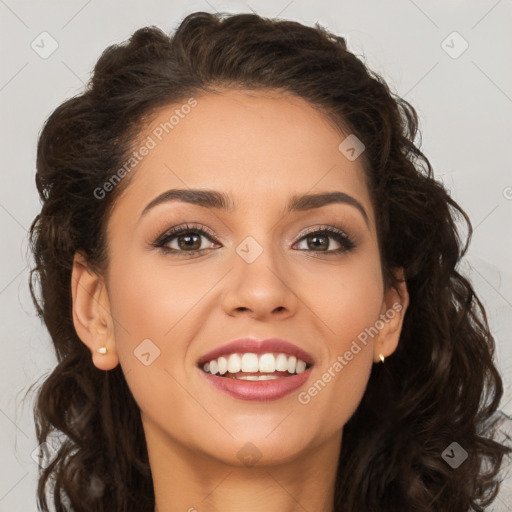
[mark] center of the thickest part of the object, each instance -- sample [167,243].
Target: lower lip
[258,390]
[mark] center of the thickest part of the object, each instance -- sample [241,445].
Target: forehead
[259,147]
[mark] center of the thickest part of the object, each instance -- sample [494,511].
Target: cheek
[339,388]
[155,308]
[348,307]
[151,307]
[347,298]
[150,301]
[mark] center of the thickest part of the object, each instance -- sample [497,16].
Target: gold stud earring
[102,350]
[381,357]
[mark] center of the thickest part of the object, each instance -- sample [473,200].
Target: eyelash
[161,242]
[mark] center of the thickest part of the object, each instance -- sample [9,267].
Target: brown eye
[319,241]
[189,241]
[184,240]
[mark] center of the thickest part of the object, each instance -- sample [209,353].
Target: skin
[260,149]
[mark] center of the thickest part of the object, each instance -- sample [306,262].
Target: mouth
[254,367]
[249,369]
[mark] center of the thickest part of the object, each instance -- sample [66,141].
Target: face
[256,270]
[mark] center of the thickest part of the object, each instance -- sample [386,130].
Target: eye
[184,240]
[318,240]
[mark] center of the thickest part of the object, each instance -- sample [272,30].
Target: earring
[102,350]
[381,357]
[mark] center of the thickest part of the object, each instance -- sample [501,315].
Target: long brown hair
[440,385]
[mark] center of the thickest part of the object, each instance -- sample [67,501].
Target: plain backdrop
[450,59]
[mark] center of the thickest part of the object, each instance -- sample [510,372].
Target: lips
[281,383]
[258,391]
[255,346]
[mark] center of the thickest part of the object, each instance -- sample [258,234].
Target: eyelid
[323,227]
[177,230]
[332,232]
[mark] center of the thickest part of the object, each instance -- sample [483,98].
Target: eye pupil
[325,245]
[189,241]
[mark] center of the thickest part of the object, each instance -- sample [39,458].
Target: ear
[394,306]
[91,313]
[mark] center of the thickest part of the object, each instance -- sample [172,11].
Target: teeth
[251,363]
[267,363]
[234,363]
[282,363]
[222,364]
[257,377]
[301,366]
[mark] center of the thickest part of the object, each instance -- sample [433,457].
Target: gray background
[464,99]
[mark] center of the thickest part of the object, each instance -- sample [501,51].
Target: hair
[441,384]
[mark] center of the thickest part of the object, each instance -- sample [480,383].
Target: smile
[253,377]
[253,369]
[266,366]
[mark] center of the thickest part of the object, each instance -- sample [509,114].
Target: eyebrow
[217,200]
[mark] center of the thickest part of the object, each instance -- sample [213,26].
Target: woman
[316,349]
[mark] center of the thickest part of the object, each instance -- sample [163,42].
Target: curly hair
[441,384]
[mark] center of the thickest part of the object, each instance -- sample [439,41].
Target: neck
[191,481]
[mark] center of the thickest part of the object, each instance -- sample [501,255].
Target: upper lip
[257,346]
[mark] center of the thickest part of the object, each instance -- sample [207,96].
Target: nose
[260,288]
